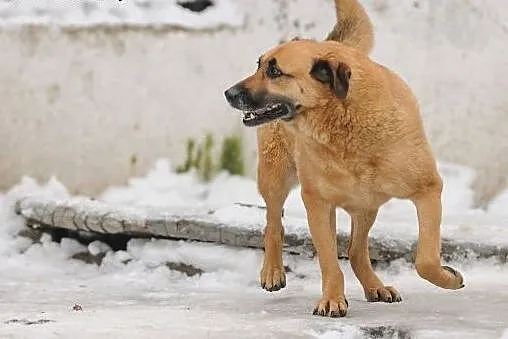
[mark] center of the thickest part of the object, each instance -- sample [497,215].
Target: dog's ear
[337,79]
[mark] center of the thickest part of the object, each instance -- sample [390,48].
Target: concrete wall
[96,106]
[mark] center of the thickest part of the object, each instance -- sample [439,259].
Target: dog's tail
[353,26]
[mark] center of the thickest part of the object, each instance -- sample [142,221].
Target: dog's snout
[232,93]
[237,96]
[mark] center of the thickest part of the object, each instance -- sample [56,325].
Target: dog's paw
[442,276]
[459,279]
[386,294]
[273,278]
[331,307]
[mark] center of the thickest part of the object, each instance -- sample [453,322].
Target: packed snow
[137,12]
[45,292]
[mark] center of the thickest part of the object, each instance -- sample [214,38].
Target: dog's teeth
[248,115]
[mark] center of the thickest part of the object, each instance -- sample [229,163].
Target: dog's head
[293,78]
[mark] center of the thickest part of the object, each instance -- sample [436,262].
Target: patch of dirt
[89,258]
[188,270]
[28,322]
[196,5]
[385,332]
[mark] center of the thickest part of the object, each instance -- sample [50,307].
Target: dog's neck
[330,125]
[344,128]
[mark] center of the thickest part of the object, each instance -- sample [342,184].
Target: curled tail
[353,26]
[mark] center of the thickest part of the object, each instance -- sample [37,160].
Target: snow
[97,247]
[138,12]
[134,293]
[11,224]
[184,194]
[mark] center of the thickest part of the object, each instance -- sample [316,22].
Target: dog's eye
[273,72]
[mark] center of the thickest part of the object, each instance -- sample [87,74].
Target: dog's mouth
[268,113]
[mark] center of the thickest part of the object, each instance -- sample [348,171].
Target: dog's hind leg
[428,263]
[276,177]
[361,223]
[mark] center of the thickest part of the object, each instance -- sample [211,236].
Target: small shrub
[231,158]
[189,160]
[206,165]
[199,157]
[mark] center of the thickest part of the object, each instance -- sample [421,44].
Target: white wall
[81,103]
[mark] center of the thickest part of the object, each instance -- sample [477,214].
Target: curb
[101,218]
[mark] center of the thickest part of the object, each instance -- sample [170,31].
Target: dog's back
[353,27]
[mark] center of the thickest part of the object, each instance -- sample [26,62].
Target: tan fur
[354,154]
[353,27]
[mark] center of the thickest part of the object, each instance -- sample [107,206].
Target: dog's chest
[344,182]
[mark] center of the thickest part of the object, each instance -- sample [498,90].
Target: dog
[349,131]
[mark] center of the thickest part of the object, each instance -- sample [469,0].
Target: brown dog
[349,131]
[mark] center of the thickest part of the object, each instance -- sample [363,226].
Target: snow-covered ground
[397,219]
[134,293]
[143,298]
[137,12]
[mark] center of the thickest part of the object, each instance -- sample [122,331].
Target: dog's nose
[237,96]
[232,94]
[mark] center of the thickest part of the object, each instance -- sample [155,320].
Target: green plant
[200,157]
[189,161]
[206,160]
[231,158]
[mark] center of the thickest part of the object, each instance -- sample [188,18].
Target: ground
[47,290]
[144,299]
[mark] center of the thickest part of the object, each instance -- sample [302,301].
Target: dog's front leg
[320,216]
[276,177]
[272,275]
